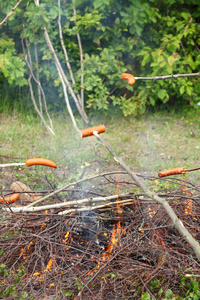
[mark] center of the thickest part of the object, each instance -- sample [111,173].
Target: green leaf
[182,89]
[7,291]
[67,293]
[189,90]
[162,94]
[160,292]
[24,295]
[171,60]
[169,293]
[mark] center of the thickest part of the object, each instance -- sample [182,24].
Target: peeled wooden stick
[33,161]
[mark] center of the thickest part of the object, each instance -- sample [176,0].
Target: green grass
[147,144]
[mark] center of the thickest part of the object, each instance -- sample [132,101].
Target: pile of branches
[113,251]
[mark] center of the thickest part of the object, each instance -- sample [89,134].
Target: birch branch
[90,208]
[65,51]
[57,62]
[51,48]
[168,76]
[67,99]
[91,201]
[175,220]
[10,13]
[31,89]
[38,79]
[63,46]
[81,61]
[36,108]
[39,87]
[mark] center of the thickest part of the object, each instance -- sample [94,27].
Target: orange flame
[49,265]
[48,269]
[66,237]
[188,203]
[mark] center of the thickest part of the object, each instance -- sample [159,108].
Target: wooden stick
[68,203]
[11,165]
[10,13]
[168,76]
[33,161]
[89,208]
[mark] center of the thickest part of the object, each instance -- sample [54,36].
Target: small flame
[151,212]
[66,237]
[160,239]
[48,269]
[26,250]
[49,265]
[188,203]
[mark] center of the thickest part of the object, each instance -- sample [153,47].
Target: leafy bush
[140,37]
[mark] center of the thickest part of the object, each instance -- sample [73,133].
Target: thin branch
[63,46]
[92,206]
[168,76]
[10,13]
[80,110]
[81,61]
[31,89]
[38,79]
[67,99]
[65,51]
[39,87]
[36,108]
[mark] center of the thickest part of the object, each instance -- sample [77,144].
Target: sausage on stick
[9,199]
[33,161]
[174,171]
[129,77]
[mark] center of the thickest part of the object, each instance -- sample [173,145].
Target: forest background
[74,52]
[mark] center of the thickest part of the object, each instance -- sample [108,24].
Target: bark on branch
[168,76]
[10,13]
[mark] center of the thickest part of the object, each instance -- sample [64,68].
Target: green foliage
[9,286]
[139,37]
[11,65]
[189,288]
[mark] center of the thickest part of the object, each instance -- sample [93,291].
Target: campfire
[110,240]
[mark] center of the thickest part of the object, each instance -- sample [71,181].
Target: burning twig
[175,220]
